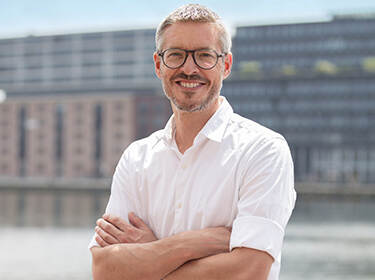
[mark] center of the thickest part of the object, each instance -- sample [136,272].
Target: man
[209,196]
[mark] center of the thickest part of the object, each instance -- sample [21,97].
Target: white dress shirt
[237,173]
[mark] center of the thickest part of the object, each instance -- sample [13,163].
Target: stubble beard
[212,96]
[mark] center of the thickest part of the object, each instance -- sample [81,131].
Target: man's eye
[175,54]
[206,55]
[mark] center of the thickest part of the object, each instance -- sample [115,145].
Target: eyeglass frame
[161,54]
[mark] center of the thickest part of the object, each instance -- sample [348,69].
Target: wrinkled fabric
[237,173]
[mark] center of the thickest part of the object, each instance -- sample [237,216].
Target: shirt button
[183,166]
[179,205]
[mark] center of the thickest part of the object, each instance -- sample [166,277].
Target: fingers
[115,229]
[105,237]
[109,232]
[101,241]
[136,221]
[115,221]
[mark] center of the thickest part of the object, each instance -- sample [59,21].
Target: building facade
[345,42]
[118,58]
[314,83]
[73,136]
[77,100]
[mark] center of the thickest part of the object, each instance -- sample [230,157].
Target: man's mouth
[189,84]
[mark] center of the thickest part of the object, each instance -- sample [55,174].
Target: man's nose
[189,66]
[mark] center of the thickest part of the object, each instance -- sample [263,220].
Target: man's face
[189,87]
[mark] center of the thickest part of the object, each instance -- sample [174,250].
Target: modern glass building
[78,60]
[314,83]
[344,42]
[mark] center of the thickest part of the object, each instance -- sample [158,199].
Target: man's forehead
[192,26]
[196,35]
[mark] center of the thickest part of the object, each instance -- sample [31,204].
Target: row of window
[72,60]
[336,87]
[301,122]
[365,88]
[310,62]
[80,56]
[45,48]
[347,106]
[309,106]
[79,73]
[324,122]
[125,78]
[346,164]
[354,27]
[324,46]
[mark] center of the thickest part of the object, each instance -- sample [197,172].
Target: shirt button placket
[179,221]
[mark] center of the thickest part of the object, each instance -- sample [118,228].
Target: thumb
[136,221]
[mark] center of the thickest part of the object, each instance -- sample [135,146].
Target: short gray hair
[195,13]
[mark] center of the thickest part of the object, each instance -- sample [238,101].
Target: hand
[114,230]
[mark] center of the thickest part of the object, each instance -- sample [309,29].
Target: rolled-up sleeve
[266,197]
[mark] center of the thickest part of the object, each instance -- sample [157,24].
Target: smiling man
[207,197]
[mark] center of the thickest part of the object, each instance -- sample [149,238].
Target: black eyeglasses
[204,58]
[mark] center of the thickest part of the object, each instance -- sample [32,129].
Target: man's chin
[193,106]
[188,108]
[190,93]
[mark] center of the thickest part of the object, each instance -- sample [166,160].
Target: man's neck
[188,124]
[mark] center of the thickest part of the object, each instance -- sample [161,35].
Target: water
[44,253]
[329,251]
[311,251]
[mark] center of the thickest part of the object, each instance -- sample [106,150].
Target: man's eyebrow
[200,48]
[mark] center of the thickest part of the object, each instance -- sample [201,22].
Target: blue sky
[26,17]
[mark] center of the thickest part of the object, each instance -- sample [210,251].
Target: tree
[325,67]
[368,64]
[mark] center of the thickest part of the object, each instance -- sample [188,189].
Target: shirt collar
[169,130]
[215,127]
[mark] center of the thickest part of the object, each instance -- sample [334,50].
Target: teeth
[189,85]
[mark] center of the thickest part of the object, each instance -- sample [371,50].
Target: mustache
[193,77]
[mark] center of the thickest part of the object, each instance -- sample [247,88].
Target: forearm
[136,261]
[154,260]
[241,263]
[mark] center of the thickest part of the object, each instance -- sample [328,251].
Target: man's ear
[157,63]
[228,62]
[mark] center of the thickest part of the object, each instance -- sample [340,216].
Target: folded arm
[202,254]
[154,260]
[241,263]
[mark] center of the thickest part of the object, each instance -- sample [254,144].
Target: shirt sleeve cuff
[257,233]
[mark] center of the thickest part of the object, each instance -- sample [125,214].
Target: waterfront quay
[79,202]
[52,202]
